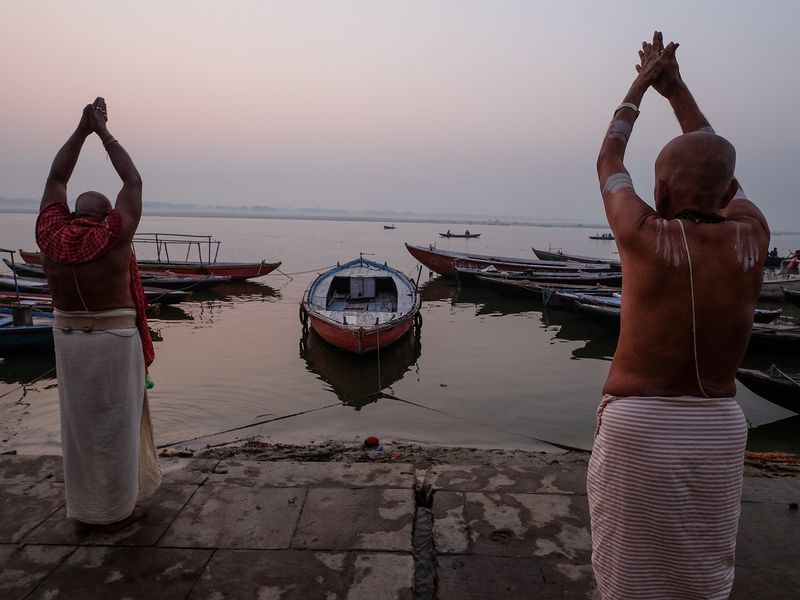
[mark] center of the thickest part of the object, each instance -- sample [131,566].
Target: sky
[494,107]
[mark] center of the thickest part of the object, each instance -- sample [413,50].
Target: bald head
[92,204]
[694,171]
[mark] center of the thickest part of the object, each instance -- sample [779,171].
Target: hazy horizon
[450,107]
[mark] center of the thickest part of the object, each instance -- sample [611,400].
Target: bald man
[102,341]
[665,476]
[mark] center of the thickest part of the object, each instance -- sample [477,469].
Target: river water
[487,371]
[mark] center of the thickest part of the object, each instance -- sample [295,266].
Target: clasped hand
[658,66]
[94,116]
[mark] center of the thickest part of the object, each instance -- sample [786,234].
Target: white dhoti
[106,437]
[665,486]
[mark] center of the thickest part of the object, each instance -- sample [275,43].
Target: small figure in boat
[466,232]
[773,253]
[448,232]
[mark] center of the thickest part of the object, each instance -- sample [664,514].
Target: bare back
[102,284]
[655,355]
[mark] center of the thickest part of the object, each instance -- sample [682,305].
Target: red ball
[371,442]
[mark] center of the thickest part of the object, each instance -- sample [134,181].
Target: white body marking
[672,254]
[617,182]
[746,249]
[620,129]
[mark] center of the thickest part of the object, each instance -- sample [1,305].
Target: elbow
[134,180]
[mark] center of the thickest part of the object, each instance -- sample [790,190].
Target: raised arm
[129,199]
[670,84]
[625,210]
[55,189]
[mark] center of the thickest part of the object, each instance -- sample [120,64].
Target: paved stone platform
[220,529]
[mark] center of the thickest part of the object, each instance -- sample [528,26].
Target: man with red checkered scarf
[102,341]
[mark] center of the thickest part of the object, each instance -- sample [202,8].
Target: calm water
[487,371]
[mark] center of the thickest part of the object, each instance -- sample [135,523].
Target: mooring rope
[31,382]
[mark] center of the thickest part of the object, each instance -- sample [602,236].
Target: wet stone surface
[244,529]
[227,516]
[368,519]
[93,572]
[23,567]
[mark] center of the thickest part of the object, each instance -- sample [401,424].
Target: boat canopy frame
[163,241]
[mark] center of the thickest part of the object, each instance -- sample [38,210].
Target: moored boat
[443,261]
[29,286]
[792,295]
[773,286]
[584,278]
[774,385]
[164,280]
[37,333]
[558,255]
[361,305]
[203,246]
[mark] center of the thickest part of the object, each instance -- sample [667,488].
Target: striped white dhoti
[665,486]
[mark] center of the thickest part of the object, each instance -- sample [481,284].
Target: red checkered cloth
[72,240]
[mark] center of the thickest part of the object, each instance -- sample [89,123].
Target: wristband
[630,105]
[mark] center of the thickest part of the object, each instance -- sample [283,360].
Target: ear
[729,193]
[661,195]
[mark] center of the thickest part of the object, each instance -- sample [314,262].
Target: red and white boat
[361,306]
[443,262]
[203,246]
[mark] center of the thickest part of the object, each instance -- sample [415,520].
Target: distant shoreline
[488,221]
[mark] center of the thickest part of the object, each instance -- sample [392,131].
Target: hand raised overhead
[658,66]
[98,115]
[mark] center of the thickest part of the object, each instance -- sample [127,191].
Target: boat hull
[779,391]
[235,271]
[360,340]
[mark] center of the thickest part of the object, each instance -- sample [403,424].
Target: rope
[318,270]
[792,379]
[24,385]
[297,414]
[378,348]
[694,323]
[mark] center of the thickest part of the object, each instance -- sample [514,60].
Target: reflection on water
[25,367]
[492,364]
[359,379]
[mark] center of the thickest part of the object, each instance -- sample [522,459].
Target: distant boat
[602,236]
[774,385]
[466,234]
[361,306]
[388,226]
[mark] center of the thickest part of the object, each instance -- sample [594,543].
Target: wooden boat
[561,256]
[361,306]
[443,261]
[165,280]
[778,335]
[584,278]
[359,379]
[533,267]
[35,335]
[774,385]
[388,227]
[29,286]
[547,294]
[774,285]
[207,251]
[792,295]
[466,234]
[603,236]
